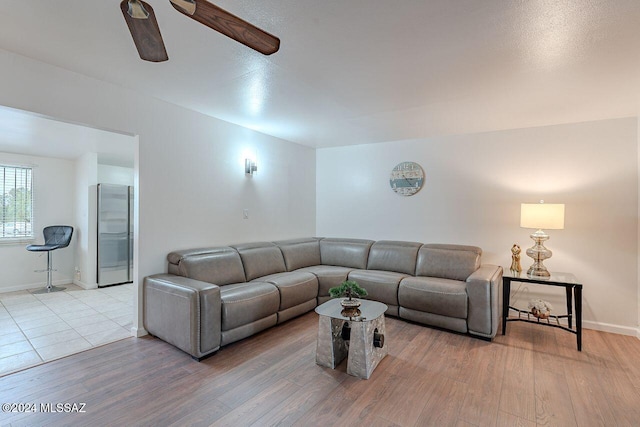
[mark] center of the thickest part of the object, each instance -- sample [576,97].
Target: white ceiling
[361,71]
[33,135]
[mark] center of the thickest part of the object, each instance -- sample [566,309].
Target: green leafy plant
[348,288]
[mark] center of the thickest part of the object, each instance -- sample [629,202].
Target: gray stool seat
[55,237]
[42,248]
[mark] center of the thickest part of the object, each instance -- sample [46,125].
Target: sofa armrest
[183,312]
[483,291]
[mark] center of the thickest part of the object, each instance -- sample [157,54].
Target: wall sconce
[540,215]
[250,166]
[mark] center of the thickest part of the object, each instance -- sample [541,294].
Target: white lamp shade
[548,216]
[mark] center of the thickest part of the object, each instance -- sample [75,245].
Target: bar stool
[55,237]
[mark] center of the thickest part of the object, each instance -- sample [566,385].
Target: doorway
[68,161]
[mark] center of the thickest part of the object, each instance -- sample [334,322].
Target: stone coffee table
[359,336]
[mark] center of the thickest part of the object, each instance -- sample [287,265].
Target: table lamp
[538,216]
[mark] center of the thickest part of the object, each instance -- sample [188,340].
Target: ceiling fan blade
[230,25]
[144,29]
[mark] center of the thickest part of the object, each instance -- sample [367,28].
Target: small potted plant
[540,308]
[348,288]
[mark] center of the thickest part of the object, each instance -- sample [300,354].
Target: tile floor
[36,328]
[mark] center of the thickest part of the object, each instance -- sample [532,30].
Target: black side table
[573,291]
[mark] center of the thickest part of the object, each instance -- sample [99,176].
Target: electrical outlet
[245,214]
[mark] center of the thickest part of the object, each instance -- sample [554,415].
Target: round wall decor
[407,178]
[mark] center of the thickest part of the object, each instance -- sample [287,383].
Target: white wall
[53,192]
[191,182]
[86,230]
[108,174]
[472,195]
[192,187]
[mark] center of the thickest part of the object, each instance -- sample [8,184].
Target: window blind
[16,211]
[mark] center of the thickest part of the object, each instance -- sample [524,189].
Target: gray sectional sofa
[212,297]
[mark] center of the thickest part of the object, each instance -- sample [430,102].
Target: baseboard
[37,285]
[84,285]
[138,332]
[608,327]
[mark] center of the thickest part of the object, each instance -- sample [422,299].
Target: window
[16,196]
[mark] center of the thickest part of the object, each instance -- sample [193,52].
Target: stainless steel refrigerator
[115,234]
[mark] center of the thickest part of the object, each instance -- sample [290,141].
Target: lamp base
[538,271]
[539,253]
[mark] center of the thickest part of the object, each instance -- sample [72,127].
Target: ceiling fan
[145,31]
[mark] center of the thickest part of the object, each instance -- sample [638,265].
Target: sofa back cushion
[260,259]
[345,252]
[300,253]
[455,262]
[395,256]
[220,266]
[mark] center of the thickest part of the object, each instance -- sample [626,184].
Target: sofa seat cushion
[328,276]
[243,303]
[434,295]
[296,287]
[380,285]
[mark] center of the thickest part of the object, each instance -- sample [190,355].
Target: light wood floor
[532,376]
